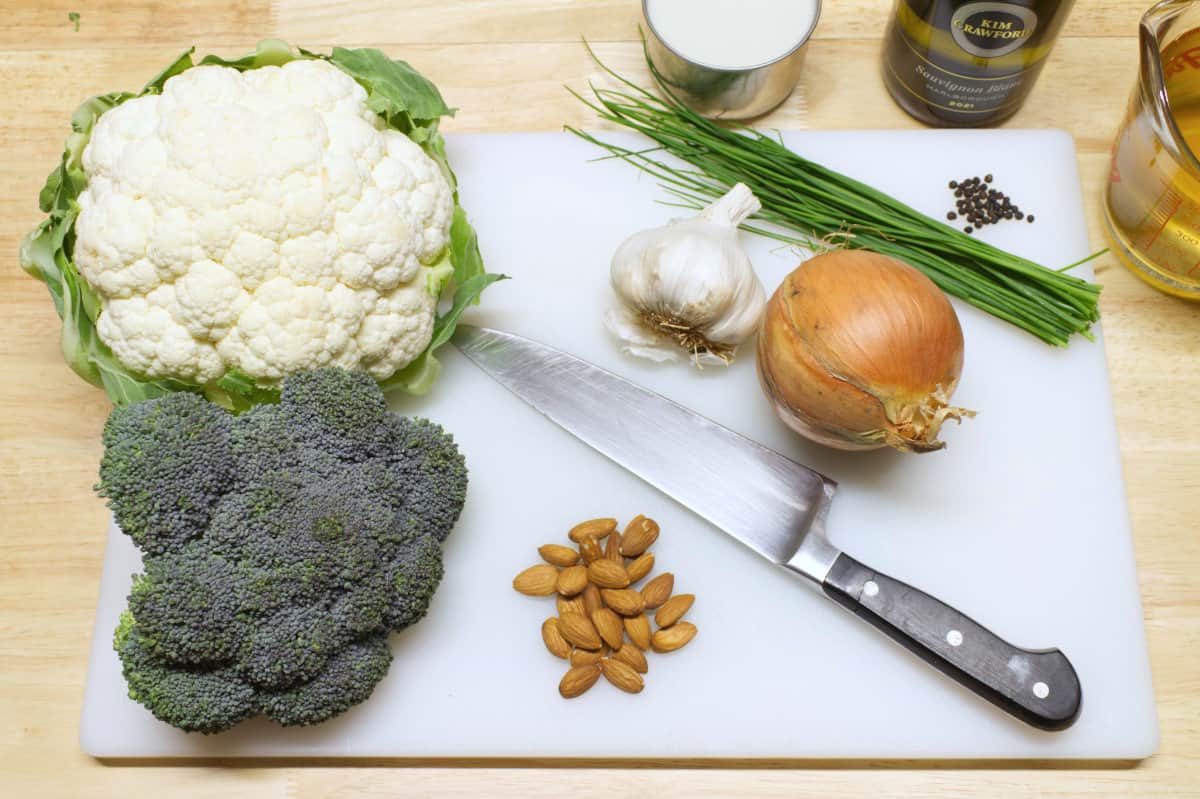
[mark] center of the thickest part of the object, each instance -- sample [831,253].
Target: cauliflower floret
[145,337]
[111,245]
[418,181]
[288,328]
[208,300]
[266,221]
[392,326]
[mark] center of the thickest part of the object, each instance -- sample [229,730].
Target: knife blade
[774,506]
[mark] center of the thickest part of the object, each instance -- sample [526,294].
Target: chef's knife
[776,507]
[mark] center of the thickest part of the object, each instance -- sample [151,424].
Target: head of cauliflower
[265,221]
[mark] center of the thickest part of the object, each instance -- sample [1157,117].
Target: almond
[572,580]
[632,657]
[558,555]
[557,645]
[607,574]
[608,624]
[638,629]
[622,675]
[537,580]
[572,605]
[658,590]
[640,567]
[597,608]
[589,550]
[639,535]
[625,601]
[591,600]
[596,528]
[576,681]
[579,631]
[673,609]
[673,637]
[587,657]
[612,548]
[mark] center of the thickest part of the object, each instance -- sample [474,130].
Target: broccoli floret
[187,606]
[261,442]
[314,531]
[291,646]
[335,411]
[414,575]
[430,474]
[347,679]
[167,462]
[191,699]
[362,609]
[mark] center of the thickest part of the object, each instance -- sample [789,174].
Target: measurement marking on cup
[1160,211]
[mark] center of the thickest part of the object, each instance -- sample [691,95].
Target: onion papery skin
[859,351]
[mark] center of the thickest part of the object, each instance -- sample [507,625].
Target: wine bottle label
[988,30]
[951,91]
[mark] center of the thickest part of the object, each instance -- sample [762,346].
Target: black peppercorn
[979,204]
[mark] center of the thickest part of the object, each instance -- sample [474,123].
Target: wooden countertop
[503,63]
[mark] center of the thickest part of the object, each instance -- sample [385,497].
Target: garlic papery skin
[688,287]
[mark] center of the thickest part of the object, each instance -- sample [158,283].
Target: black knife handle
[1039,687]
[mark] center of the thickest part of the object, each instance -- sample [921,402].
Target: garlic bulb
[688,286]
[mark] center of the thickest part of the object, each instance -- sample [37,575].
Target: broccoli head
[280,547]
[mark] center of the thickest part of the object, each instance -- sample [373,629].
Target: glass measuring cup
[1152,203]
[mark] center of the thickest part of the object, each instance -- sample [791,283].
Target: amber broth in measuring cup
[1152,202]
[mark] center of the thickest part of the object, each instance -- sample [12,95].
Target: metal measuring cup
[723,92]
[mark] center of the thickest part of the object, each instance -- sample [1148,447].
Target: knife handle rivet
[1041,690]
[870,588]
[954,637]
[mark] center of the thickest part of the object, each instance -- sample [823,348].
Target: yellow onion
[858,350]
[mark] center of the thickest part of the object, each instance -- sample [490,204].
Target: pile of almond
[599,607]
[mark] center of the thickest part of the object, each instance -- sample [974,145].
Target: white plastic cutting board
[1021,522]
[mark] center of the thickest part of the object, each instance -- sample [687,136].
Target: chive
[808,205]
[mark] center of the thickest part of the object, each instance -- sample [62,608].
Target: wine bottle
[965,63]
